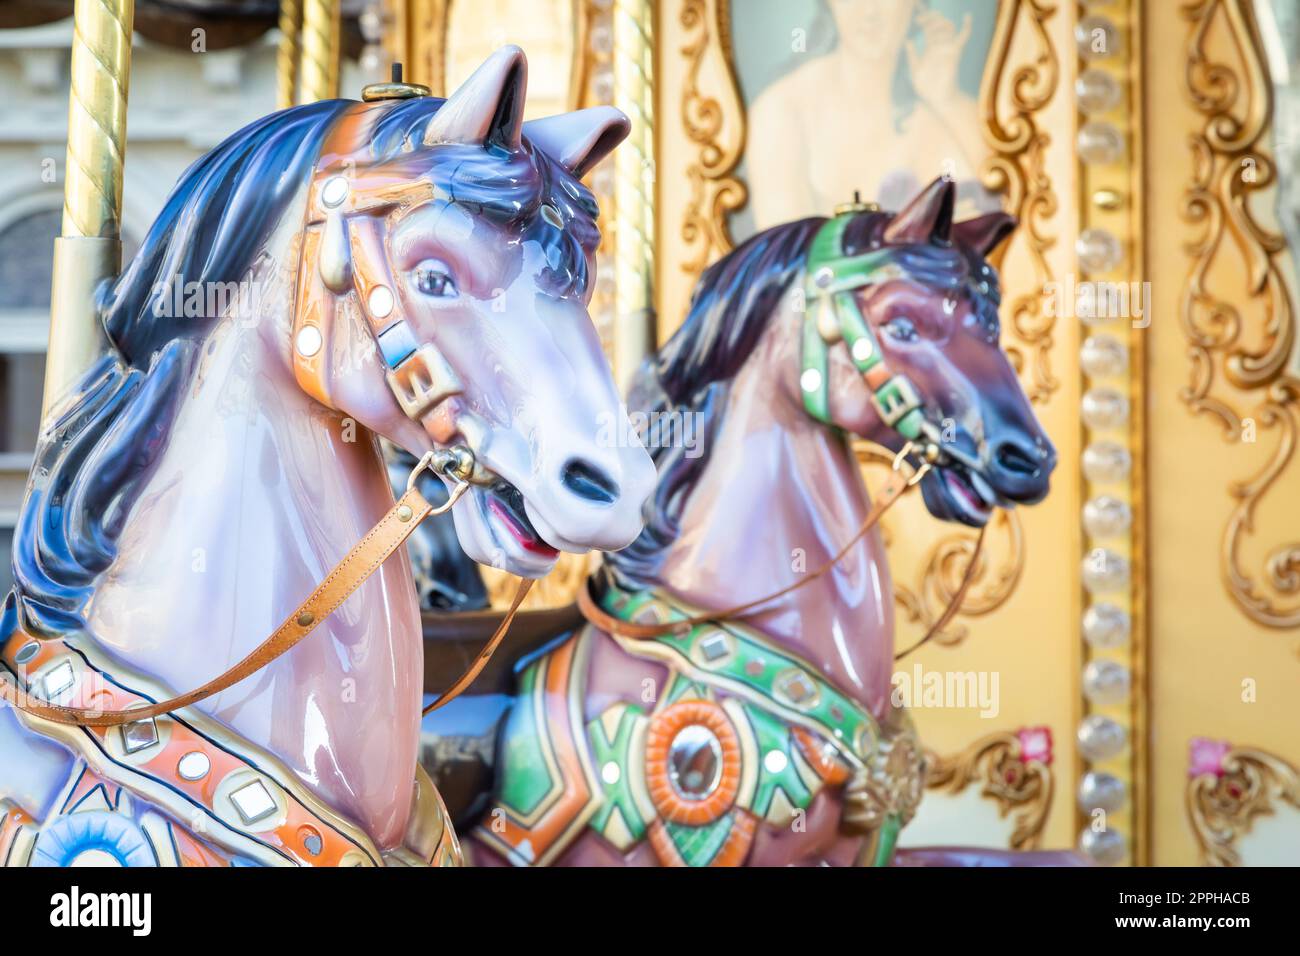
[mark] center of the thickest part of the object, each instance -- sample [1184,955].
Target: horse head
[446,267]
[914,302]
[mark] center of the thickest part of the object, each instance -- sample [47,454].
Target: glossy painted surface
[780,496]
[241,489]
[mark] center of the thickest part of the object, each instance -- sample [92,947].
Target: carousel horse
[405,267]
[669,732]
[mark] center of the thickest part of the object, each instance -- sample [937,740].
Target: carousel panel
[1224,415]
[1108,667]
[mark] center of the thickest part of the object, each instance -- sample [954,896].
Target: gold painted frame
[1110,199]
[714,121]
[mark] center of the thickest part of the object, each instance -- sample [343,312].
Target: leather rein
[893,489]
[388,534]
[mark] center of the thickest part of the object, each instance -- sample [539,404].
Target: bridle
[345,235]
[832,315]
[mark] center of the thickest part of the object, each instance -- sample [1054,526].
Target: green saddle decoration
[700,845]
[766,692]
[745,664]
[624,813]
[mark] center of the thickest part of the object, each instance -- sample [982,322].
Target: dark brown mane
[734,300]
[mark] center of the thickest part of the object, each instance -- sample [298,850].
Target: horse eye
[433,278]
[901,329]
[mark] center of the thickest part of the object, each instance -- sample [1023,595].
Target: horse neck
[779,498]
[260,491]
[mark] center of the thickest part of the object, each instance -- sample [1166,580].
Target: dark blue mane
[692,374]
[91,463]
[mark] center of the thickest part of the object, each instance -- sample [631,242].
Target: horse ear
[581,139]
[984,233]
[488,108]
[927,217]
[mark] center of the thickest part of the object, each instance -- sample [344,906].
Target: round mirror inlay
[193,766]
[695,762]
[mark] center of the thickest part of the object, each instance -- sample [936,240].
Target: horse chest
[737,739]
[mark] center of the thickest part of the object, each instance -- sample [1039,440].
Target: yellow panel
[1219,668]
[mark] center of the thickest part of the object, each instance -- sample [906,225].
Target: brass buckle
[917,473]
[456,463]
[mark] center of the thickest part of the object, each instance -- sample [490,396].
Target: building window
[22,380]
[27,260]
[26,269]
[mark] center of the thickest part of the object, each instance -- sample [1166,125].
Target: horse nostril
[587,481]
[1016,461]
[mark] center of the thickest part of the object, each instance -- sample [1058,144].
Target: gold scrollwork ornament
[1018,171]
[1240,340]
[997,763]
[1221,808]
[714,123]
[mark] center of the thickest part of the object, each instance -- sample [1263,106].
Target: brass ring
[455,496]
[456,463]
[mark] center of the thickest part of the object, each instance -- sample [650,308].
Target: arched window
[27,260]
[26,267]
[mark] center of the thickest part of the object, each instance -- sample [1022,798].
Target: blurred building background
[199,71]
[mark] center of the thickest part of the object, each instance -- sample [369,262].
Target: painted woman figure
[882,112]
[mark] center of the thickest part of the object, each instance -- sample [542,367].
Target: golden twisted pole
[288,54]
[90,250]
[101,64]
[634,185]
[320,51]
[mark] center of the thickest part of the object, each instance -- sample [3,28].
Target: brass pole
[288,54]
[320,51]
[634,186]
[90,248]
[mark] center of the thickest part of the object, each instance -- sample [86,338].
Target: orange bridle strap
[343,255]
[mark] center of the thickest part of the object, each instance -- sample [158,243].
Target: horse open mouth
[506,504]
[972,498]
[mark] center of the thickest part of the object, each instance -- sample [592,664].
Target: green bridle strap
[832,313]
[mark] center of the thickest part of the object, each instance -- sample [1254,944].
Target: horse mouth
[968,497]
[506,504]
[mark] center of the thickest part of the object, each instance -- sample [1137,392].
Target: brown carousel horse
[406,267]
[669,731]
